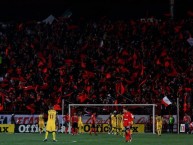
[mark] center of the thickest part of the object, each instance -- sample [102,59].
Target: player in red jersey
[66,122]
[186,120]
[74,121]
[127,123]
[191,128]
[93,122]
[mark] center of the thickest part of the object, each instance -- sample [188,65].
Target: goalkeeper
[120,128]
[114,123]
[159,125]
[80,123]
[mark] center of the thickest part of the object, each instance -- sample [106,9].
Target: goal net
[144,116]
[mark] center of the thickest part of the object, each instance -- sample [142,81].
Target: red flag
[68,95]
[108,75]
[1,107]
[2,100]
[40,64]
[82,98]
[122,89]
[117,88]
[59,100]
[187,89]
[88,88]
[45,70]
[30,108]
[185,107]
[167,64]
[57,107]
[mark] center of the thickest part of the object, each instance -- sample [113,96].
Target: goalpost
[114,105]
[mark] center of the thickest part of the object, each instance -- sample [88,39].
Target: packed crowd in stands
[95,61]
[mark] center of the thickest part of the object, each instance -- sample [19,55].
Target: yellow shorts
[51,127]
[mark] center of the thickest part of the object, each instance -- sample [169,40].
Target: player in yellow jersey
[114,122]
[51,124]
[109,124]
[41,123]
[159,125]
[80,124]
[120,127]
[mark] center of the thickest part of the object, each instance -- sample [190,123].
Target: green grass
[101,139]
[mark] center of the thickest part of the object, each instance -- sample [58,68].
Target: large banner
[24,128]
[28,121]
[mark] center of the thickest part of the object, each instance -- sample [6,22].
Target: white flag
[166,101]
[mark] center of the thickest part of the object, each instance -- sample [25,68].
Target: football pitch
[100,139]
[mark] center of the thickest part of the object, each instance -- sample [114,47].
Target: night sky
[40,9]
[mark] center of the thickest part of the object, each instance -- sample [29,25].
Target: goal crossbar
[112,104]
[98,105]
